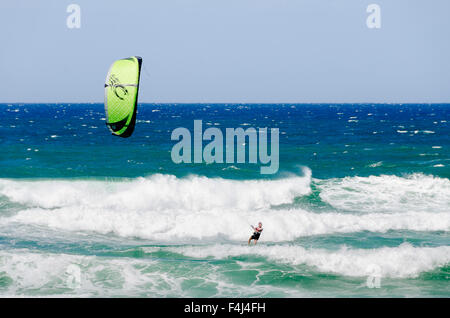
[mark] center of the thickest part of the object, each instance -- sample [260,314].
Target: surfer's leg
[249,240]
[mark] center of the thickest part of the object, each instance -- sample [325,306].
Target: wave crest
[387,193]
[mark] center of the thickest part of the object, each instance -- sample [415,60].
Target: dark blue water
[332,140]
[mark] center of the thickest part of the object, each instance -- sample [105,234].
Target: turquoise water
[360,206]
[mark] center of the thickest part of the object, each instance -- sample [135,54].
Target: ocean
[360,205]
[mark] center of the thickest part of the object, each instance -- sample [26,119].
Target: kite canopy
[121,95]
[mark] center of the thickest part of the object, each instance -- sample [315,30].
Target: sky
[228,51]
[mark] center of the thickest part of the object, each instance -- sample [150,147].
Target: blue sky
[229,50]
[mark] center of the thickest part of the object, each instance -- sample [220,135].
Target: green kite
[121,95]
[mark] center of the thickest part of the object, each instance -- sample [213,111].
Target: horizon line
[242,103]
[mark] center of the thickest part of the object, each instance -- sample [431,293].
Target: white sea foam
[28,273]
[181,225]
[47,273]
[399,262]
[376,164]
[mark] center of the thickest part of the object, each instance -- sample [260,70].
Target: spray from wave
[385,193]
[166,208]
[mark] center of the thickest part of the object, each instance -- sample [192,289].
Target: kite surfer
[256,233]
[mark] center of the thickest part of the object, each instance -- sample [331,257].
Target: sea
[359,207]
